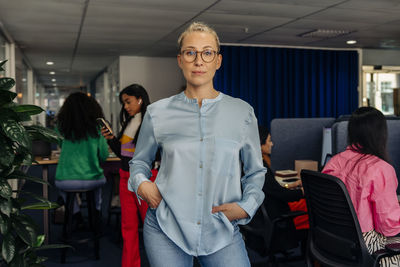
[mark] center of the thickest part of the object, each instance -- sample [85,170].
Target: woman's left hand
[231,210]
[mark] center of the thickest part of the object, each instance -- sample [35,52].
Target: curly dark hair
[139,92]
[76,119]
[367,132]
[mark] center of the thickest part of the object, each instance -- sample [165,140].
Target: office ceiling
[82,37]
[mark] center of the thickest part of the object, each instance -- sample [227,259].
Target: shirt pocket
[226,153]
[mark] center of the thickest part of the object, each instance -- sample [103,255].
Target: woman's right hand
[150,193]
[107,135]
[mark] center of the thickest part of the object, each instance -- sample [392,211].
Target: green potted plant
[18,232]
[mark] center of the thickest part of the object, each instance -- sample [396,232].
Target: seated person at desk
[370,179]
[278,198]
[82,149]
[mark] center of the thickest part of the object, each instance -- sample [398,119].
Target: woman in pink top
[370,179]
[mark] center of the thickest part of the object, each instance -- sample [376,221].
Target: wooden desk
[45,163]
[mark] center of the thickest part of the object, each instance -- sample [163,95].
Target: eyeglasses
[190,55]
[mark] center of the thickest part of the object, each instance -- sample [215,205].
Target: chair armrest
[388,251]
[393,248]
[378,255]
[291,214]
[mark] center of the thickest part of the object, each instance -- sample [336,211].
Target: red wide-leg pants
[130,212]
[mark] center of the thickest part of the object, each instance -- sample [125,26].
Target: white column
[31,89]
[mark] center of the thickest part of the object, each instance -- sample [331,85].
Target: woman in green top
[82,149]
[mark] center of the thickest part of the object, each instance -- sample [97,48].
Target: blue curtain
[290,83]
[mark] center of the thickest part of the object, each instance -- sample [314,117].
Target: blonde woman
[199,197]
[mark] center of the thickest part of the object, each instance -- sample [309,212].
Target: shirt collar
[183,97]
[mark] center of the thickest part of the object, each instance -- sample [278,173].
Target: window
[379,86]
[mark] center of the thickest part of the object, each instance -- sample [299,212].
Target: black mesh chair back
[335,237]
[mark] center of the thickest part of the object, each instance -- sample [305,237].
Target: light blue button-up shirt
[203,152]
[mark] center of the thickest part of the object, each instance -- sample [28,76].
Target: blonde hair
[197,27]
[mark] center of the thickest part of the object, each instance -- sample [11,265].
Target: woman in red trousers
[134,100]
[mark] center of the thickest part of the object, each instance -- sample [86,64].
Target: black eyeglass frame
[182,53]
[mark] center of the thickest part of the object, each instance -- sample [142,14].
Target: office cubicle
[297,139]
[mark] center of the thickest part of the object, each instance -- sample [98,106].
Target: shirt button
[201,139]
[198,223]
[201,165]
[200,194]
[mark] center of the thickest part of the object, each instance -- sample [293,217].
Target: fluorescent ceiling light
[50,63]
[324,33]
[350,42]
[52,72]
[53,80]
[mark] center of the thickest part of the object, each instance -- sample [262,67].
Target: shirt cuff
[250,207]
[135,181]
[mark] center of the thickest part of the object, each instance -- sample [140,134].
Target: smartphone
[104,124]
[289,180]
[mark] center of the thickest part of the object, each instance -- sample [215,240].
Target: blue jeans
[71,185]
[162,251]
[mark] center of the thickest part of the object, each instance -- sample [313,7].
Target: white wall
[161,77]
[384,57]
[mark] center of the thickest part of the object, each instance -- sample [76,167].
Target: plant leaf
[6,206]
[24,229]
[53,246]
[43,133]
[6,83]
[40,206]
[18,262]
[39,240]
[6,171]
[6,113]
[5,189]
[16,132]
[4,225]
[28,109]
[8,247]
[21,175]
[6,153]
[6,97]
[1,64]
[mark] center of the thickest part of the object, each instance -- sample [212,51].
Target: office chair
[335,237]
[273,237]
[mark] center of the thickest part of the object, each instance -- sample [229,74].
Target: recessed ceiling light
[52,72]
[50,63]
[351,42]
[53,80]
[54,84]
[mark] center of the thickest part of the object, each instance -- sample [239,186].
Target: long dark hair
[76,119]
[263,133]
[367,132]
[137,91]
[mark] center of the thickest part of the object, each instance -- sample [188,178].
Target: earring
[140,101]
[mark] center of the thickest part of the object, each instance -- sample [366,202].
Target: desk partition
[297,139]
